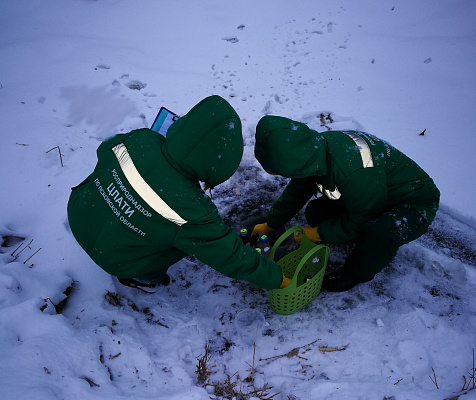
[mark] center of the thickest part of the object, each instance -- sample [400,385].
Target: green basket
[305,267]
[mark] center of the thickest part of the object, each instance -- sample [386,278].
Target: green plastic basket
[305,267]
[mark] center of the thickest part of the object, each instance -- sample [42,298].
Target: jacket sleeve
[293,198]
[218,246]
[364,194]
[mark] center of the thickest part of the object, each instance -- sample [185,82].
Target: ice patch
[249,323]
[450,269]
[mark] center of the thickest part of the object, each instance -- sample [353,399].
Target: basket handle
[281,239]
[306,257]
[306,246]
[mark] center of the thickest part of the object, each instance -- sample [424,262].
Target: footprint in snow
[231,39]
[102,66]
[136,85]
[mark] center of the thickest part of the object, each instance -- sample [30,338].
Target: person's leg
[322,209]
[377,246]
[157,272]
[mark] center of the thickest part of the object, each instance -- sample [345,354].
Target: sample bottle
[244,236]
[263,245]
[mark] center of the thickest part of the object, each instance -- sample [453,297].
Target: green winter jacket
[142,209]
[363,173]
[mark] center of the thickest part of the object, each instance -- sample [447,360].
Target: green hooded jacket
[364,174]
[142,209]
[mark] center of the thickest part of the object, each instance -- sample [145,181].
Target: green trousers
[378,241]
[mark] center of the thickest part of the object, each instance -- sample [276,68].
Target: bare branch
[24,262]
[59,151]
[434,378]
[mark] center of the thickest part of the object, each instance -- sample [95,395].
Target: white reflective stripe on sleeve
[334,195]
[363,148]
[142,187]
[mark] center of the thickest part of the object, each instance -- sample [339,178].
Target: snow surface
[74,72]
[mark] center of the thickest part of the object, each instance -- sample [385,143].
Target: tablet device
[164,119]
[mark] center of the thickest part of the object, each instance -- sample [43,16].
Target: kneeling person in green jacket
[142,209]
[368,192]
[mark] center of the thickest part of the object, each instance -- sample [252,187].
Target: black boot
[133,283]
[338,281]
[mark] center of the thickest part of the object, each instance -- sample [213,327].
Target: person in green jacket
[143,209]
[367,192]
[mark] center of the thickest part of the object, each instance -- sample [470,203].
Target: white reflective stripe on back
[142,187]
[364,149]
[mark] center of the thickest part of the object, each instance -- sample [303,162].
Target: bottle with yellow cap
[244,236]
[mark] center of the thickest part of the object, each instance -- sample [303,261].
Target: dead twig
[292,353]
[90,381]
[14,251]
[261,393]
[232,388]
[434,378]
[24,262]
[59,151]
[203,369]
[471,384]
[254,354]
[295,352]
[323,119]
[15,256]
[227,388]
[326,349]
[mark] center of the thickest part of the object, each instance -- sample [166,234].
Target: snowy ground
[74,72]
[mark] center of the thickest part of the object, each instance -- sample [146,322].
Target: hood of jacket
[206,144]
[290,148]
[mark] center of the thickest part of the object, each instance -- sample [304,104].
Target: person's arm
[292,200]
[218,246]
[365,196]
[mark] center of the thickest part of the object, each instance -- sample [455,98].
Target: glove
[311,234]
[286,282]
[261,229]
